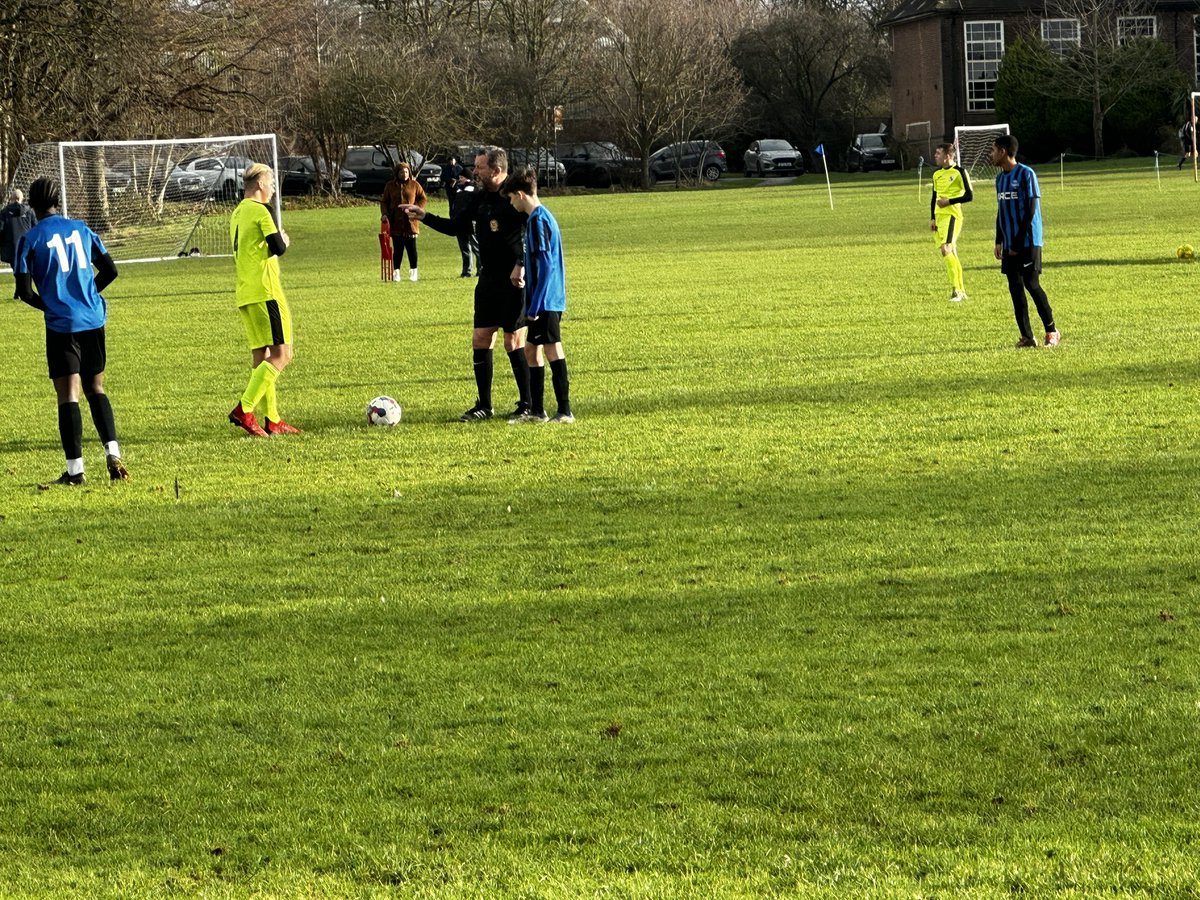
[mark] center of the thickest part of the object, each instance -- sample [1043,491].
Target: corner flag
[820,149]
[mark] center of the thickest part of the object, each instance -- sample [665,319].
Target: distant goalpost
[974,146]
[155,199]
[918,136]
[1192,112]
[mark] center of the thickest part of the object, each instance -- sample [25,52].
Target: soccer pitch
[829,592]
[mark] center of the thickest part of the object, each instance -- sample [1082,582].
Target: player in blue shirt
[69,266]
[546,298]
[1019,239]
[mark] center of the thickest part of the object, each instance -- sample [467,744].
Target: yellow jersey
[257,269]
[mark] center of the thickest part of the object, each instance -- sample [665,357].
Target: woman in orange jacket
[401,191]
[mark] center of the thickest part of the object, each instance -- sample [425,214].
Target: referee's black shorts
[498,304]
[80,353]
[1028,260]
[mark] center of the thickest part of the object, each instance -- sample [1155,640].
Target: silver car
[771,156]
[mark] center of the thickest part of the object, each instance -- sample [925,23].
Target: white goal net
[155,199]
[974,146]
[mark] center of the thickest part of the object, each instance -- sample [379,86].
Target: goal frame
[63,148]
[967,129]
[927,140]
[1192,110]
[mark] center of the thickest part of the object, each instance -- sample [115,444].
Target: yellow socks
[954,270]
[262,381]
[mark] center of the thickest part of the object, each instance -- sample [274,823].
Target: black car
[598,164]
[373,169]
[298,175]
[870,151]
[688,160]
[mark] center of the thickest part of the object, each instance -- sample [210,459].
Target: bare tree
[661,69]
[530,55]
[808,64]
[1110,63]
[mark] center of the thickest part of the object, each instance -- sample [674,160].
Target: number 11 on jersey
[64,262]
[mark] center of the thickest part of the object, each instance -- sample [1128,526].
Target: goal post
[918,138]
[1192,111]
[154,199]
[973,144]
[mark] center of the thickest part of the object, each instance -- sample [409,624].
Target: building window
[984,48]
[1061,35]
[1130,27]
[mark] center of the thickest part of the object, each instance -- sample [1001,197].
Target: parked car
[372,169]
[465,154]
[688,159]
[207,176]
[304,175]
[771,156]
[549,170]
[598,164]
[869,151]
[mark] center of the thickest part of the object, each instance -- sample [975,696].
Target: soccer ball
[383,411]
[1185,251]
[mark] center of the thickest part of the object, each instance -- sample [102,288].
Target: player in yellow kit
[951,189]
[258,242]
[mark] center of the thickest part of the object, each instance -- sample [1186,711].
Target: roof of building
[911,10]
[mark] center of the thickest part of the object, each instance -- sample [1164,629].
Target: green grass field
[829,592]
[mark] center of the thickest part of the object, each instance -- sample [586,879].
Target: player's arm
[933,203]
[1030,191]
[276,238]
[967,195]
[459,222]
[105,268]
[999,236]
[25,291]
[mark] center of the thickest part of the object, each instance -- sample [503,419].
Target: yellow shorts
[948,228]
[267,324]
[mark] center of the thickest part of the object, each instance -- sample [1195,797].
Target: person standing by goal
[257,245]
[1019,239]
[951,189]
[70,266]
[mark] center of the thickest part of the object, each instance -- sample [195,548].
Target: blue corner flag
[820,148]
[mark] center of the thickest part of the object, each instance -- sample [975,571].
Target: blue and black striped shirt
[1018,210]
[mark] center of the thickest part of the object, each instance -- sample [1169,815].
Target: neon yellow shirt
[257,270]
[950,183]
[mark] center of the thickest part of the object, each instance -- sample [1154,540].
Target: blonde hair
[253,177]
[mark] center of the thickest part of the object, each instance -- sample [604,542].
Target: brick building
[946,53]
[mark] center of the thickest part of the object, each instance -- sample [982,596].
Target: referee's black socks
[482,360]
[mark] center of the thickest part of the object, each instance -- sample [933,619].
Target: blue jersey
[1018,212]
[57,254]
[545,277]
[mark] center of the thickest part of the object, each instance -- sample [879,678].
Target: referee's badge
[494,225]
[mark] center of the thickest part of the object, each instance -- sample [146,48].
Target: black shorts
[1020,264]
[546,328]
[81,353]
[499,305]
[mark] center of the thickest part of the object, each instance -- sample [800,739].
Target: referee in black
[500,291]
